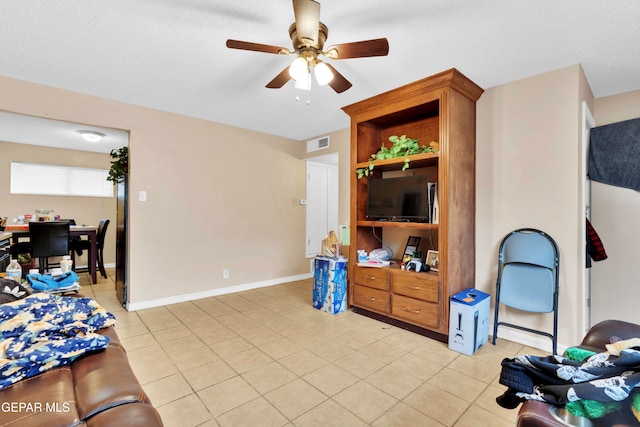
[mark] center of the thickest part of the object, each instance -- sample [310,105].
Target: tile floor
[266,357]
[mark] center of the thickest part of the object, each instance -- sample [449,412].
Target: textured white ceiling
[171,55]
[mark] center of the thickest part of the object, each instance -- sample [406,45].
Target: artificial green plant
[402,147]
[119,165]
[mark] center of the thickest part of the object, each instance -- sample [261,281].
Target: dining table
[21,231]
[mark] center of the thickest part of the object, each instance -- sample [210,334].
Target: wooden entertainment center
[441,108]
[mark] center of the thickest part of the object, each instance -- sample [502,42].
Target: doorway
[322,201]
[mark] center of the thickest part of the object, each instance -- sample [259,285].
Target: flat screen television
[399,199]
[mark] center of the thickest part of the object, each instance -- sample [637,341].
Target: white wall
[217,196]
[614,215]
[528,175]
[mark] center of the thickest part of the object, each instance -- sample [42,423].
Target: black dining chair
[48,239]
[77,246]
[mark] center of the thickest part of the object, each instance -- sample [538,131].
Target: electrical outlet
[225,273]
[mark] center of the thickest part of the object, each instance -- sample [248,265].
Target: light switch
[142,196]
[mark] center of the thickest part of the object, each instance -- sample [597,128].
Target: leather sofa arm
[536,414]
[600,334]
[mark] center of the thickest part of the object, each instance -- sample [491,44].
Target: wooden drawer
[372,277]
[415,311]
[371,299]
[422,286]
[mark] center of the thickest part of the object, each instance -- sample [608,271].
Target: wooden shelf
[415,161]
[398,224]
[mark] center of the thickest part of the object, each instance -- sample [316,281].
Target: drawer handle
[407,309]
[370,298]
[371,277]
[417,288]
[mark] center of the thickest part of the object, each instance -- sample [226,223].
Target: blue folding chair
[528,272]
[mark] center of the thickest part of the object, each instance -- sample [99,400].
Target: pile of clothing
[588,384]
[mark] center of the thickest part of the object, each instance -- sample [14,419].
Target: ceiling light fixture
[323,73]
[300,71]
[91,136]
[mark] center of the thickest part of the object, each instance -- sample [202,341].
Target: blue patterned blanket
[44,331]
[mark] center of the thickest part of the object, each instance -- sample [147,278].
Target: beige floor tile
[173,333]
[305,338]
[476,368]
[248,360]
[257,412]
[330,379]
[415,366]
[199,345]
[230,346]
[404,340]
[457,383]
[182,345]
[227,395]
[269,377]
[295,398]
[214,308]
[211,334]
[303,362]
[476,416]
[280,348]
[283,326]
[365,401]
[436,403]
[209,374]
[193,358]
[355,339]
[167,389]
[394,382]
[330,350]
[404,415]
[146,354]
[147,372]
[383,352]
[435,352]
[359,364]
[328,413]
[158,318]
[131,330]
[259,335]
[487,401]
[188,411]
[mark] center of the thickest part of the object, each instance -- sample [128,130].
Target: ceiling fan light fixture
[323,73]
[299,69]
[91,136]
[304,83]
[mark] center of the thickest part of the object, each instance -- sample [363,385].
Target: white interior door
[322,204]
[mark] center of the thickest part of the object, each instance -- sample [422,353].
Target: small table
[91,231]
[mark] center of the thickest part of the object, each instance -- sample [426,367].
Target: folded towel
[47,282]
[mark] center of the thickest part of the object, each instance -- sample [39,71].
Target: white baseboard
[528,339]
[214,292]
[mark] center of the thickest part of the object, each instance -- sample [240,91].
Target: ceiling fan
[308,35]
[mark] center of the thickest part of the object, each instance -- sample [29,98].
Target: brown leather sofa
[97,389]
[540,414]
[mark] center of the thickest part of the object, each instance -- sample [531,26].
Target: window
[28,178]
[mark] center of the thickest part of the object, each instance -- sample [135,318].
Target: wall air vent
[318,144]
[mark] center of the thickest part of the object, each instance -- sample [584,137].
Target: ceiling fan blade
[339,83]
[257,47]
[307,13]
[363,49]
[280,80]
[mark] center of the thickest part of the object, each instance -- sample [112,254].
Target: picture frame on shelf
[412,246]
[432,260]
